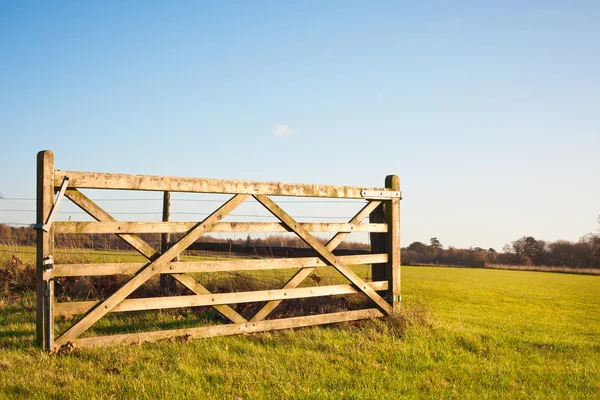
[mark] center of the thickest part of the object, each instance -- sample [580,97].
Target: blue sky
[488,111]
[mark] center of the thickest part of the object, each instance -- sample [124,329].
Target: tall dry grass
[544,268]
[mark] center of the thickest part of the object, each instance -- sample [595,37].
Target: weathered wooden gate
[383,209]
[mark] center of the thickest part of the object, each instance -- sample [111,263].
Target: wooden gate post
[392,242]
[389,242]
[44,289]
[167,283]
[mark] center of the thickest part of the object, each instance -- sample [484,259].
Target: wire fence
[263,241]
[156,215]
[329,201]
[186,213]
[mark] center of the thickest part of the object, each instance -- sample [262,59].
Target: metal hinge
[381,194]
[48,262]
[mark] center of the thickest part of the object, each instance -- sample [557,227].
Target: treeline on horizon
[525,251]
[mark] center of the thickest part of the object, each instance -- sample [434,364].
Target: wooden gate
[382,208]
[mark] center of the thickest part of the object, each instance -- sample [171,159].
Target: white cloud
[282,130]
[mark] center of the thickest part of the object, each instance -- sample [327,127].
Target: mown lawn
[463,333]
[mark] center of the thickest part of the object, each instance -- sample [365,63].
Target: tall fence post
[45,248]
[392,242]
[167,283]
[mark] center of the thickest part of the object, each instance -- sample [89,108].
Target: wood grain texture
[392,218]
[44,248]
[181,227]
[99,180]
[215,299]
[230,329]
[63,270]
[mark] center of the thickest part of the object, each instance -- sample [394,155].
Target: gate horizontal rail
[381,208]
[97,180]
[157,303]
[182,227]
[184,267]
[231,329]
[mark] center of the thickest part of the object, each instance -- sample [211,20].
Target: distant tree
[492,256]
[563,253]
[418,247]
[590,250]
[435,243]
[527,251]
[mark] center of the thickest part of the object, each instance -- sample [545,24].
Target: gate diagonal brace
[46,226]
[299,277]
[148,251]
[154,267]
[324,253]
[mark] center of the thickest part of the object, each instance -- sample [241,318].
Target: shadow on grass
[17,339]
[18,314]
[16,336]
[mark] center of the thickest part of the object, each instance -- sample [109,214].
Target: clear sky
[488,111]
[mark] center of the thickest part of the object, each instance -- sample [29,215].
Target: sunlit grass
[463,333]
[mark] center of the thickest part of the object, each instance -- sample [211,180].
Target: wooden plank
[181,227]
[63,270]
[230,329]
[323,251]
[305,272]
[99,180]
[44,330]
[392,218]
[215,299]
[154,267]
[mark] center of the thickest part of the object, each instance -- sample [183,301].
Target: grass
[463,333]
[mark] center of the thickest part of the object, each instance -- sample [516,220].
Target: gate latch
[46,227]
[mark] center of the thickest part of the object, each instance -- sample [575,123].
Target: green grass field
[463,333]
